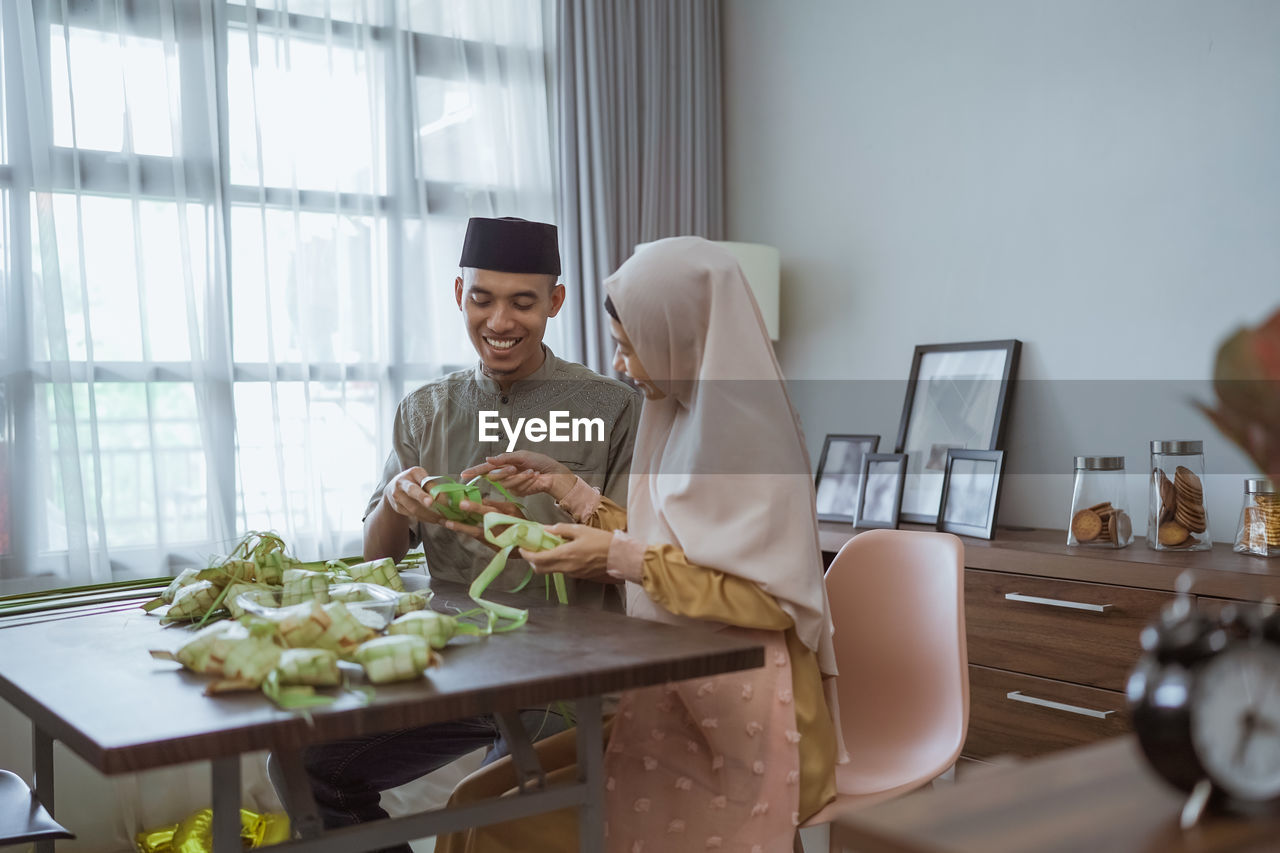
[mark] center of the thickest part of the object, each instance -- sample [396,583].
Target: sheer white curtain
[230,231]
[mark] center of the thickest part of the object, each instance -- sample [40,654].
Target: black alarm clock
[1205,704]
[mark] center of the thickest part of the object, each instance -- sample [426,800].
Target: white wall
[1098,179]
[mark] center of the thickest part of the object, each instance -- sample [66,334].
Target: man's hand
[585,553]
[405,495]
[524,473]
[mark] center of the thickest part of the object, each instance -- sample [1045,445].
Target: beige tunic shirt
[437,428]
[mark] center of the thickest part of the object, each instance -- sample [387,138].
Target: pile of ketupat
[300,624]
[281,625]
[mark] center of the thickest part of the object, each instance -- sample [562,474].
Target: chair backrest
[897,602]
[22,818]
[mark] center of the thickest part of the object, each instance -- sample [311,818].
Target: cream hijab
[720,468]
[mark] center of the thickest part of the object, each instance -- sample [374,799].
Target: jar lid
[1259,486]
[1177,448]
[1100,463]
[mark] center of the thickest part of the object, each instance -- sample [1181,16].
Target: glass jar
[1259,530]
[1099,516]
[1177,519]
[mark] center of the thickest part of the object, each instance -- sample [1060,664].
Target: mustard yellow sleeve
[701,593]
[587,506]
[608,516]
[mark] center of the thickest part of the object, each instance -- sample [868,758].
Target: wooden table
[1100,798]
[89,682]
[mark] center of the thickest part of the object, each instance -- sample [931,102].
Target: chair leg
[946,778]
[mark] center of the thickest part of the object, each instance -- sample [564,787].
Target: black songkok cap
[511,245]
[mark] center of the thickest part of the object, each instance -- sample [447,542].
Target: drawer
[1001,725]
[1213,606]
[1085,633]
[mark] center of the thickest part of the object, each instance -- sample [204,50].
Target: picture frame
[971,492]
[958,395]
[839,474]
[880,494]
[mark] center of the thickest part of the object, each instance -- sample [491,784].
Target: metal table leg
[289,776]
[42,773]
[226,805]
[591,773]
[528,767]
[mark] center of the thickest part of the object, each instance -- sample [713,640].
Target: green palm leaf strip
[455,493]
[518,533]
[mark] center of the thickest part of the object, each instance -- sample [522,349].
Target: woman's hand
[584,554]
[524,473]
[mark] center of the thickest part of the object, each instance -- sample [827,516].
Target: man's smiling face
[506,316]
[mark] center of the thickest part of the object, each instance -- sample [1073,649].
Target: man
[507,290]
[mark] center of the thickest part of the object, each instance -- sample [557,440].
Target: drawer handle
[1056,602]
[1019,696]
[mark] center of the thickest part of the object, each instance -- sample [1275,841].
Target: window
[111,75]
[230,232]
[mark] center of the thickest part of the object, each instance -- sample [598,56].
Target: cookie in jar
[1099,517]
[1177,519]
[1259,530]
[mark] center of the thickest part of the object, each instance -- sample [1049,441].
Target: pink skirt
[709,764]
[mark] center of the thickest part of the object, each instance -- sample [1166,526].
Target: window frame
[405,55]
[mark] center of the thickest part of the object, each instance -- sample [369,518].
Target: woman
[720,532]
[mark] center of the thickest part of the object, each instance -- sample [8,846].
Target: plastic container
[373,605]
[1259,530]
[1099,512]
[1177,519]
[416,582]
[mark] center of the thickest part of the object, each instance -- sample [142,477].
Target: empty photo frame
[840,475]
[958,395]
[971,492]
[880,497]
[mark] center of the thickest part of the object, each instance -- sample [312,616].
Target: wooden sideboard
[1053,630]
